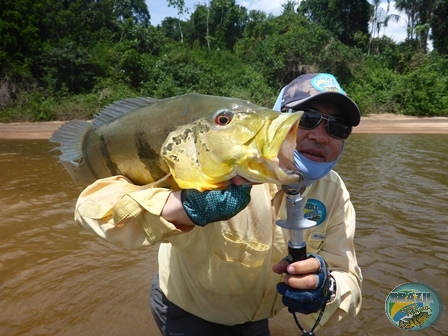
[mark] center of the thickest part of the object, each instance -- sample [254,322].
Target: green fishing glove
[215,205]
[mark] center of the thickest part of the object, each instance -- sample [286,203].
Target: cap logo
[326,83]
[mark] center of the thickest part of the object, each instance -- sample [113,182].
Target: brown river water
[57,279]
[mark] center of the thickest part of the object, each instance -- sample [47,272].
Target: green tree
[228,22]
[20,30]
[75,27]
[135,9]
[287,51]
[439,27]
[219,24]
[216,72]
[67,59]
[380,19]
[419,15]
[181,9]
[347,20]
[257,25]
[171,28]
[200,22]
[51,40]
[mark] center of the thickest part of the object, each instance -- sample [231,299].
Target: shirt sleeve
[123,213]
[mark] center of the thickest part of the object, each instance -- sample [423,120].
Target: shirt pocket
[233,268]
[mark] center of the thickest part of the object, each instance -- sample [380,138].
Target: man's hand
[305,288]
[215,205]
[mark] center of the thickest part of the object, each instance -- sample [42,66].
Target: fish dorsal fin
[120,108]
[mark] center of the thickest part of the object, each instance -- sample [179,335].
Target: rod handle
[297,253]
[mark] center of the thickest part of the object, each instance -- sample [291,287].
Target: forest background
[66,59]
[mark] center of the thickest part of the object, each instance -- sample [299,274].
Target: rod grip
[297,253]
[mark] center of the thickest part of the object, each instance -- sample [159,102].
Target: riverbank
[378,123]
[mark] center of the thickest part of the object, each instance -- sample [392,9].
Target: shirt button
[149,203]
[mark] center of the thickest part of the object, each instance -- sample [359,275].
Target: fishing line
[311,332]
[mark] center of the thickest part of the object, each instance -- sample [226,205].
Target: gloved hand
[307,301]
[215,205]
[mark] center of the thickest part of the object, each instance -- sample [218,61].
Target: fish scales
[200,141]
[133,152]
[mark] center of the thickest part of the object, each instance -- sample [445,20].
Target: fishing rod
[296,222]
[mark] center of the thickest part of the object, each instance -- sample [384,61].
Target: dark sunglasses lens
[338,129]
[310,119]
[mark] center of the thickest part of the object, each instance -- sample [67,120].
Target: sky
[159,10]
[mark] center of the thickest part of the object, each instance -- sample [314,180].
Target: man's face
[316,144]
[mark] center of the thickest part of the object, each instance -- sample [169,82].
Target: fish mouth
[271,159]
[286,165]
[274,158]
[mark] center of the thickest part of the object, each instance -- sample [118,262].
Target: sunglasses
[311,119]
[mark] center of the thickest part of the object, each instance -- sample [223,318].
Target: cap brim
[347,106]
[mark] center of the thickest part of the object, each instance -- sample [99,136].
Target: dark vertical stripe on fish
[148,156]
[111,165]
[86,157]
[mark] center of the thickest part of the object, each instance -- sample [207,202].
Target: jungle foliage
[65,59]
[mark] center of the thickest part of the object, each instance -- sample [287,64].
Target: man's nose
[320,133]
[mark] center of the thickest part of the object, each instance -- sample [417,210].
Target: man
[221,259]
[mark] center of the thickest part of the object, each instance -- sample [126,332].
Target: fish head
[235,138]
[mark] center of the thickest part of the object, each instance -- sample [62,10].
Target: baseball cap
[316,87]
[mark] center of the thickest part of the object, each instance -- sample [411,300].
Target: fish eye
[224,118]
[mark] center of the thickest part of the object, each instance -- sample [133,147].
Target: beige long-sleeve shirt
[223,272]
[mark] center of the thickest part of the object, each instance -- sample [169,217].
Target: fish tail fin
[70,136]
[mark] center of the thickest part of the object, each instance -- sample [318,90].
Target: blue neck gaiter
[312,170]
